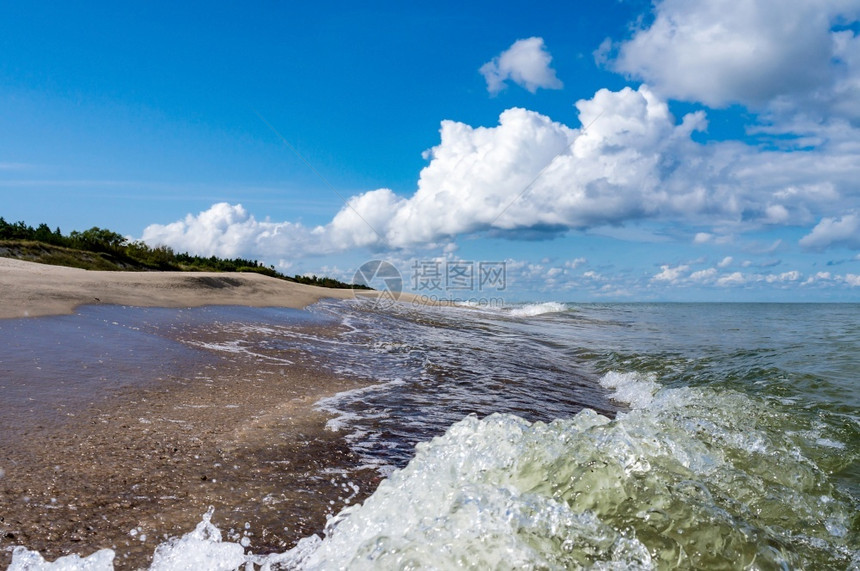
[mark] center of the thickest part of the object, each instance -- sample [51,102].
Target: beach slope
[29,289]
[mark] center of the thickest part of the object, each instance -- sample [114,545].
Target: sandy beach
[28,289]
[143,459]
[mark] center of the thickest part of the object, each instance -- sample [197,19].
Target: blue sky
[604,151]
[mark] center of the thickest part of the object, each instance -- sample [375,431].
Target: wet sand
[142,463]
[132,463]
[148,463]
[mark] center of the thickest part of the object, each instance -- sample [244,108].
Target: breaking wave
[690,478]
[533,309]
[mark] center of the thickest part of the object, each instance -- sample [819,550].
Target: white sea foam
[830,443]
[200,549]
[488,306]
[533,309]
[333,404]
[237,347]
[26,560]
[454,504]
[234,346]
[633,388]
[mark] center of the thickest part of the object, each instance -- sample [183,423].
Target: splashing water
[729,450]
[694,479]
[697,479]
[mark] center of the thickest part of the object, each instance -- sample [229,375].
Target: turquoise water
[735,444]
[568,436]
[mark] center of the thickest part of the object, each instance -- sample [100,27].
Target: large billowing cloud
[530,172]
[760,53]
[526,63]
[531,176]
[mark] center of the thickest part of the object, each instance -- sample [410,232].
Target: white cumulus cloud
[670,274]
[532,177]
[735,278]
[833,231]
[228,231]
[704,275]
[791,276]
[526,63]
[755,53]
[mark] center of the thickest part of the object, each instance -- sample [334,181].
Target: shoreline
[30,289]
[144,461]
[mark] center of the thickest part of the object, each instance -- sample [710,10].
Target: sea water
[568,436]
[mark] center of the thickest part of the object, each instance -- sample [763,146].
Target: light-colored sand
[31,289]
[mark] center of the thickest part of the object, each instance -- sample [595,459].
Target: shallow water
[125,430]
[53,367]
[578,436]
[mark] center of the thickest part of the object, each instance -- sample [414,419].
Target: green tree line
[139,255]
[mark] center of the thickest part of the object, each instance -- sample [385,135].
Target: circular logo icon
[381,276]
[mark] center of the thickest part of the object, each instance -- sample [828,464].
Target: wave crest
[532,309]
